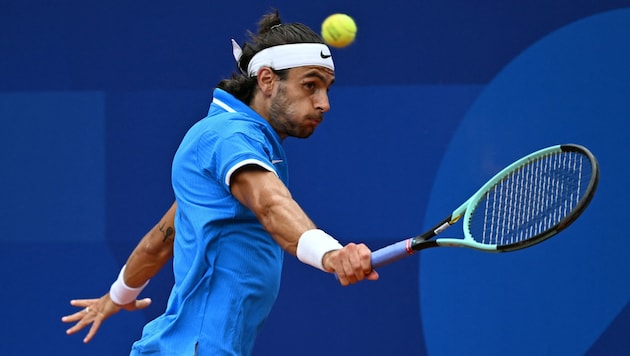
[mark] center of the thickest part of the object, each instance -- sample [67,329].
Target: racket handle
[391,253]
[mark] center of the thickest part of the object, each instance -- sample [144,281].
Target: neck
[260,105]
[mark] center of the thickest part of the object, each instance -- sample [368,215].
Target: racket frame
[425,240]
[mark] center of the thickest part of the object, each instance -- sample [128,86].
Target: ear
[266,80]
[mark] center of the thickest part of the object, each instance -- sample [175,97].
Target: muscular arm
[152,252]
[263,193]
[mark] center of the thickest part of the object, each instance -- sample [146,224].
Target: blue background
[432,99]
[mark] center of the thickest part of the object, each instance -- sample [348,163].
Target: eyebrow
[315,73]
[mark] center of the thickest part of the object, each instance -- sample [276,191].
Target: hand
[352,264]
[95,311]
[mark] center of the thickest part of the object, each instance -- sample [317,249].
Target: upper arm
[266,195]
[256,188]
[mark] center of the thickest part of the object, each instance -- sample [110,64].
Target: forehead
[325,74]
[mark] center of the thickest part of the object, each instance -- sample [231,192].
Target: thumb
[373,276]
[143,303]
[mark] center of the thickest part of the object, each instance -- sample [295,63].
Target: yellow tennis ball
[339,30]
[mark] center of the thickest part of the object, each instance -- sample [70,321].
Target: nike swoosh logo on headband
[325,55]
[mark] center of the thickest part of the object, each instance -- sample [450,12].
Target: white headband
[287,56]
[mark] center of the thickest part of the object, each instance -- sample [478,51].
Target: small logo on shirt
[276,161]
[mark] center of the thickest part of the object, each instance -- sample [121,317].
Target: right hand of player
[351,264]
[95,311]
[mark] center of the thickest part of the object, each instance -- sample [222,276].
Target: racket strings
[531,200]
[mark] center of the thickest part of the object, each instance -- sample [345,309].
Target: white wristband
[313,245]
[122,294]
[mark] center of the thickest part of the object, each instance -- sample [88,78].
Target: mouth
[317,119]
[314,123]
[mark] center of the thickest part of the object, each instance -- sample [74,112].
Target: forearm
[152,252]
[264,194]
[285,220]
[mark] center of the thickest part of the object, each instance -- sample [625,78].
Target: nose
[321,102]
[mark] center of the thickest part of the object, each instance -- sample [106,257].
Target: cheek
[293,105]
[302,107]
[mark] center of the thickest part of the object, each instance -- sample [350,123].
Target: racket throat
[420,243]
[438,229]
[423,241]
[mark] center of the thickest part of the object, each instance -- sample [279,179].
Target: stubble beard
[281,113]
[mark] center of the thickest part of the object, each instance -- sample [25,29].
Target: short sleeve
[221,154]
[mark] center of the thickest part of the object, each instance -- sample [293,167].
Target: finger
[341,277]
[78,326]
[353,269]
[95,326]
[349,271]
[360,262]
[342,280]
[82,303]
[74,317]
[69,318]
[84,318]
[366,259]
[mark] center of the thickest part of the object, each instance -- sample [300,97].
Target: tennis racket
[526,203]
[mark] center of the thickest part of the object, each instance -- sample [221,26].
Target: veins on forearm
[167,231]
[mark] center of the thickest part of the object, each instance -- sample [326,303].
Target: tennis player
[234,215]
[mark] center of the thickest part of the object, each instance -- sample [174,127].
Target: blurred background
[430,101]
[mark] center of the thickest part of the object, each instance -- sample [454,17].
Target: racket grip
[391,253]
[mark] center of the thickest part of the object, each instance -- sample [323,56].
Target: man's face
[299,102]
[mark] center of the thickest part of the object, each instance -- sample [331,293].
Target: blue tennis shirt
[227,267]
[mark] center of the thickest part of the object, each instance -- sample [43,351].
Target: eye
[309,85]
